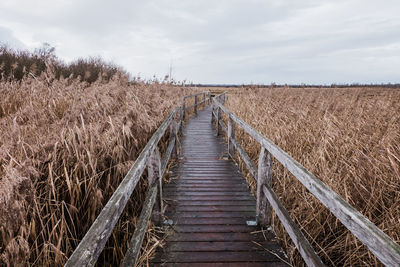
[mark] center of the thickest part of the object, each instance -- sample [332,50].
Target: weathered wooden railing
[206,97]
[92,244]
[380,244]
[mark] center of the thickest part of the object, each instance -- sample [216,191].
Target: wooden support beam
[167,155]
[212,114]
[154,172]
[219,118]
[195,104]
[172,137]
[246,159]
[231,137]
[223,127]
[264,177]
[301,243]
[183,110]
[135,245]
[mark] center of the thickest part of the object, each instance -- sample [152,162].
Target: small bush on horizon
[17,64]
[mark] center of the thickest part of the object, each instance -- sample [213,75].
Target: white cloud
[220,42]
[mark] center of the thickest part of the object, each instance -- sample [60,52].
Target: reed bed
[65,145]
[349,138]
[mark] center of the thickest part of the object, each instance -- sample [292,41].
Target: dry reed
[65,146]
[350,139]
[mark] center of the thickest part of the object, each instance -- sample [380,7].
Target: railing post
[172,135]
[154,172]
[209,97]
[183,109]
[264,177]
[219,117]
[212,113]
[231,136]
[195,104]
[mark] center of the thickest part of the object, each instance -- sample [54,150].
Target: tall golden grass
[350,139]
[65,146]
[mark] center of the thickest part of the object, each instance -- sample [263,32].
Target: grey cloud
[222,41]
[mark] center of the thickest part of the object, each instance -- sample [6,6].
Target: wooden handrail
[380,244]
[195,94]
[184,108]
[92,244]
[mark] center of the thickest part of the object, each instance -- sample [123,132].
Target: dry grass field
[65,145]
[350,139]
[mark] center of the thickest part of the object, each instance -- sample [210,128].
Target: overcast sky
[282,41]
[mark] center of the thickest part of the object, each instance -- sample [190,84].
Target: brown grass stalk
[65,146]
[349,138]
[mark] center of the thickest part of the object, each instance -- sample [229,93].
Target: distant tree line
[17,64]
[273,85]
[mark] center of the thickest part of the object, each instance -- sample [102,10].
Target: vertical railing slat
[264,177]
[154,173]
[231,136]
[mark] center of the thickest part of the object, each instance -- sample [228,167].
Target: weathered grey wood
[195,94]
[380,244]
[223,126]
[167,155]
[93,242]
[197,204]
[154,176]
[231,136]
[246,159]
[264,177]
[177,140]
[136,241]
[213,115]
[219,117]
[172,137]
[195,104]
[135,244]
[301,243]
[183,110]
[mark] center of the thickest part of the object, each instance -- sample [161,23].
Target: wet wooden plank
[214,228]
[221,246]
[229,237]
[206,197]
[210,221]
[215,256]
[217,203]
[214,208]
[206,193]
[210,214]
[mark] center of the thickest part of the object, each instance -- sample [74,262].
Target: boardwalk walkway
[210,203]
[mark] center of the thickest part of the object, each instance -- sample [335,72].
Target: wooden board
[209,204]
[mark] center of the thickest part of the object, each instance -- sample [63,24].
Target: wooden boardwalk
[209,204]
